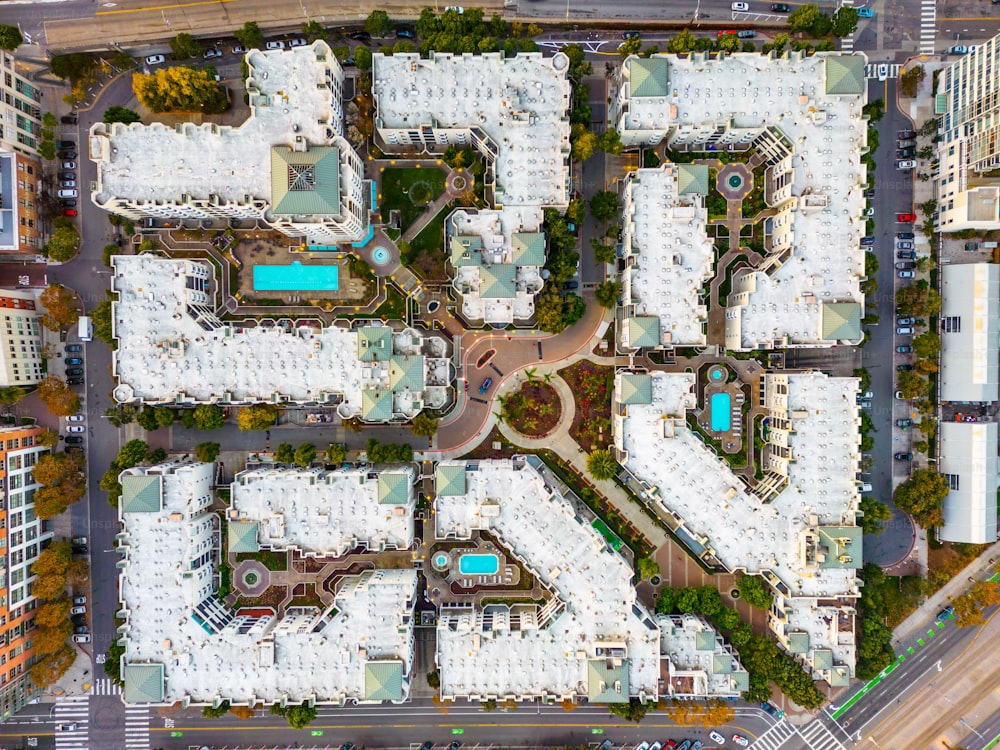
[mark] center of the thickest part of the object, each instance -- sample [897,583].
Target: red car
[69,212]
[906,218]
[728,31]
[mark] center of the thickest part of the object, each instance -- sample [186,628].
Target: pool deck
[251,252]
[731,439]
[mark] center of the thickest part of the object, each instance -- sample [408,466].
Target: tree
[336,453]
[52,563]
[424,425]
[216,713]
[927,344]
[603,253]
[683,42]
[728,43]
[911,385]
[634,710]
[727,618]
[687,600]
[910,81]
[133,453]
[146,419]
[53,611]
[921,496]
[647,568]
[207,452]
[602,465]
[709,601]
[100,316]
[50,640]
[363,57]
[10,37]
[630,47]
[804,18]
[576,211]
[54,468]
[78,572]
[305,454]
[549,310]
[250,36]
[378,24]
[610,142]
[184,47]
[582,142]
[875,513]
[62,244]
[918,300]
[754,591]
[242,712]
[112,663]
[579,67]
[608,293]
[50,668]
[59,398]
[604,206]
[49,438]
[120,114]
[256,417]
[284,454]
[164,416]
[970,605]
[314,31]
[179,89]
[300,716]
[209,417]
[61,307]
[665,602]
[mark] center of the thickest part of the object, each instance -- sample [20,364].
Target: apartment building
[20,226]
[21,360]
[20,115]
[967,178]
[970,333]
[22,536]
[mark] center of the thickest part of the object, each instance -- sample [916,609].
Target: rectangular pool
[296,277]
[479,565]
[722,419]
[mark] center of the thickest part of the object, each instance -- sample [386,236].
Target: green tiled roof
[143,683]
[741,681]
[607,684]
[643,330]
[529,248]
[648,76]
[823,658]
[450,480]
[374,343]
[841,321]
[376,405]
[636,389]
[305,182]
[243,536]
[798,643]
[722,664]
[141,494]
[704,640]
[839,677]
[393,488]
[406,372]
[384,681]
[841,546]
[692,178]
[465,250]
[845,74]
[498,282]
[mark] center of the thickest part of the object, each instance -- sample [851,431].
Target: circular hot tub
[441,561]
[380,256]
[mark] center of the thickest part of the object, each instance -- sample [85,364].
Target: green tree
[336,453]
[603,253]
[305,454]
[549,310]
[62,244]
[754,591]
[576,212]
[184,47]
[647,568]
[630,47]
[256,417]
[164,416]
[424,425]
[216,713]
[378,24]
[709,601]
[911,385]
[10,37]
[363,57]
[634,710]
[100,316]
[610,142]
[602,465]
[179,89]
[607,293]
[300,717]
[120,114]
[918,300]
[313,31]
[207,452]
[284,454]
[927,344]
[250,36]
[875,513]
[666,602]
[209,417]
[845,21]
[133,453]
[579,67]
[909,82]
[727,618]
[727,43]
[921,496]
[804,17]
[683,42]
[686,600]
[146,419]
[582,142]
[604,206]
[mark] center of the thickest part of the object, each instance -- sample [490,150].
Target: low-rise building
[696,661]
[21,360]
[970,332]
[20,225]
[174,348]
[183,644]
[968,460]
[288,165]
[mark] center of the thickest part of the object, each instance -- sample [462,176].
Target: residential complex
[21,360]
[968,460]
[182,643]
[802,116]
[514,113]
[20,115]
[20,226]
[793,523]
[174,348]
[967,181]
[696,662]
[23,536]
[669,257]
[288,165]
[970,332]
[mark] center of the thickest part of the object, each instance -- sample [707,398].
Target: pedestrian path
[819,737]
[871,70]
[73,712]
[928,26]
[847,42]
[137,727]
[105,686]
[774,737]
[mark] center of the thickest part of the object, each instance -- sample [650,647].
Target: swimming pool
[296,277]
[722,420]
[479,565]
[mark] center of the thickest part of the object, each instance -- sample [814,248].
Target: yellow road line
[159,7]
[981,18]
[666,724]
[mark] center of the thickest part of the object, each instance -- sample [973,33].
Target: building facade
[20,115]
[21,360]
[20,226]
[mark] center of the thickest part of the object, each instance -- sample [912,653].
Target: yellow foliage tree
[717,713]
[50,668]
[58,396]
[179,90]
[61,307]
[50,640]
[682,713]
[53,611]
[78,573]
[242,712]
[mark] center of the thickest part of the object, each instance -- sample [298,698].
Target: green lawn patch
[426,255]
[270,560]
[409,191]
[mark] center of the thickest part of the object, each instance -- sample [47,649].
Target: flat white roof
[968,459]
[174,619]
[970,332]
[479,656]
[693,664]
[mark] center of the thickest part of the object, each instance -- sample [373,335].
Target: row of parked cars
[692,744]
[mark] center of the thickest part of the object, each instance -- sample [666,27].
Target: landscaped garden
[533,409]
[592,386]
[409,191]
[425,253]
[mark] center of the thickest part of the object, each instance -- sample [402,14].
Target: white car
[300,42]
[457,8]
[869,212]
[76,428]
[907,275]
[78,611]
[155,60]
[865,487]
[275,45]
[906,164]
[883,71]
[716,737]
[85,638]
[68,184]
[68,194]
[68,165]
[740,740]
[67,727]
[76,418]
[741,6]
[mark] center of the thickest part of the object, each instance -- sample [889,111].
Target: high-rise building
[967,180]
[21,361]
[22,537]
[20,116]
[20,229]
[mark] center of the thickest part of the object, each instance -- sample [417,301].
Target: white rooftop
[970,332]
[692,667]
[596,608]
[968,459]
[326,512]
[166,583]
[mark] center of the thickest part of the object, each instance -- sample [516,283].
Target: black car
[360,36]
[630,35]
[80,549]
[350,62]
[427,745]
[73,348]
[65,144]
[73,440]
[868,240]
[780,8]
[67,154]
[906,255]
[904,235]
[903,456]
[74,381]
[904,368]
[67,175]
[81,630]
[906,153]
[870,193]
[68,120]
[67,203]
[74,372]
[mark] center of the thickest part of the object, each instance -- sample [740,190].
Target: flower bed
[534,409]
[592,386]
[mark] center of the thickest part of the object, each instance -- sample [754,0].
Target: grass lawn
[394,307]
[427,256]
[409,191]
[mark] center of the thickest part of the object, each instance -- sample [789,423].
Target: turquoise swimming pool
[479,565]
[722,419]
[296,277]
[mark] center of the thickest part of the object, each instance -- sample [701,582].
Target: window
[952,481]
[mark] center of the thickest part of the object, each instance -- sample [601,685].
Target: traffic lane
[983,733]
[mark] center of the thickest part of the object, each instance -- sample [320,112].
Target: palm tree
[529,373]
[547,377]
[602,465]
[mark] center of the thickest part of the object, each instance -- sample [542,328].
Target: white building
[967,102]
[173,348]
[669,257]
[803,115]
[696,662]
[182,644]
[796,526]
[288,165]
[592,639]
[970,332]
[968,460]
[514,113]
[21,360]
[20,115]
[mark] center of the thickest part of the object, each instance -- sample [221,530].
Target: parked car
[66,154]
[454,745]
[80,629]
[239,49]
[74,381]
[155,60]
[79,540]
[297,42]
[946,613]
[68,120]
[405,33]
[865,403]
[907,275]
[740,740]
[780,8]
[870,193]
[965,418]
[904,331]
[67,175]
[66,144]
[867,240]
[906,265]
[904,368]
[74,440]
[905,164]
[904,245]
[81,639]
[350,62]
[427,745]
[74,372]
[486,385]
[79,600]
[866,13]
[76,428]
[906,153]
[899,395]
[67,203]
[67,183]
[905,143]
[78,611]
[76,418]
[361,36]
[457,8]
[685,745]
[904,422]
[275,45]
[906,255]
[69,212]
[571,285]
[211,53]
[747,34]
[740,6]
[772,709]
[904,349]
[74,347]
[724,32]
[630,35]
[903,456]
[68,194]
[959,49]
[656,746]
[716,737]
[74,361]
[906,321]
[906,218]
[906,134]
[904,235]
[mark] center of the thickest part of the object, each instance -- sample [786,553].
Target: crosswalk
[819,737]
[104,686]
[72,712]
[774,737]
[136,727]
[847,42]
[928,27]
[871,70]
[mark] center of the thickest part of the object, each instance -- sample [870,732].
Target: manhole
[380,256]
[735,593]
